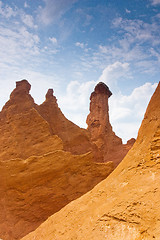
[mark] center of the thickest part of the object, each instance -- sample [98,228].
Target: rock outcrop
[124,206]
[37,175]
[100,128]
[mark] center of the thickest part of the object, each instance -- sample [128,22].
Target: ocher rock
[38,178]
[33,189]
[100,128]
[37,175]
[124,206]
[23,131]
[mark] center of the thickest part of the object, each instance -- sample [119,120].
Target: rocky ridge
[123,206]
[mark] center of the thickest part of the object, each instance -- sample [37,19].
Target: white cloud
[26,5]
[127,11]
[114,72]
[28,20]
[138,30]
[130,46]
[128,111]
[6,11]
[53,40]
[54,9]
[81,45]
[155,2]
[77,95]
[75,103]
[18,43]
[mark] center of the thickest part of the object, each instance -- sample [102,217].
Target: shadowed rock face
[100,128]
[125,205]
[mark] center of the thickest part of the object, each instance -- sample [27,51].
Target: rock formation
[27,129]
[37,176]
[23,131]
[100,128]
[124,206]
[75,139]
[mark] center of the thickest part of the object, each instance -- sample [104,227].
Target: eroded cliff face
[100,128]
[124,206]
[37,175]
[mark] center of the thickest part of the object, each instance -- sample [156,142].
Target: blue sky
[71,45]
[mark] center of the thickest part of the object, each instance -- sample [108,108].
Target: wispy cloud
[127,11]
[155,2]
[53,40]
[6,11]
[81,44]
[53,10]
[26,5]
[28,20]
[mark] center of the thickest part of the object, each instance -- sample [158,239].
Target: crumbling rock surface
[125,205]
[100,128]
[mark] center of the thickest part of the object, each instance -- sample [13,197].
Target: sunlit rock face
[125,205]
[100,128]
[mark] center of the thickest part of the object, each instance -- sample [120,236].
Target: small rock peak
[131,141]
[23,85]
[20,98]
[22,89]
[49,94]
[101,88]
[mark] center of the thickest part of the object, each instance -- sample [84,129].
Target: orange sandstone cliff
[124,206]
[37,175]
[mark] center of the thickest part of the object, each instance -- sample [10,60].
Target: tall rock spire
[99,125]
